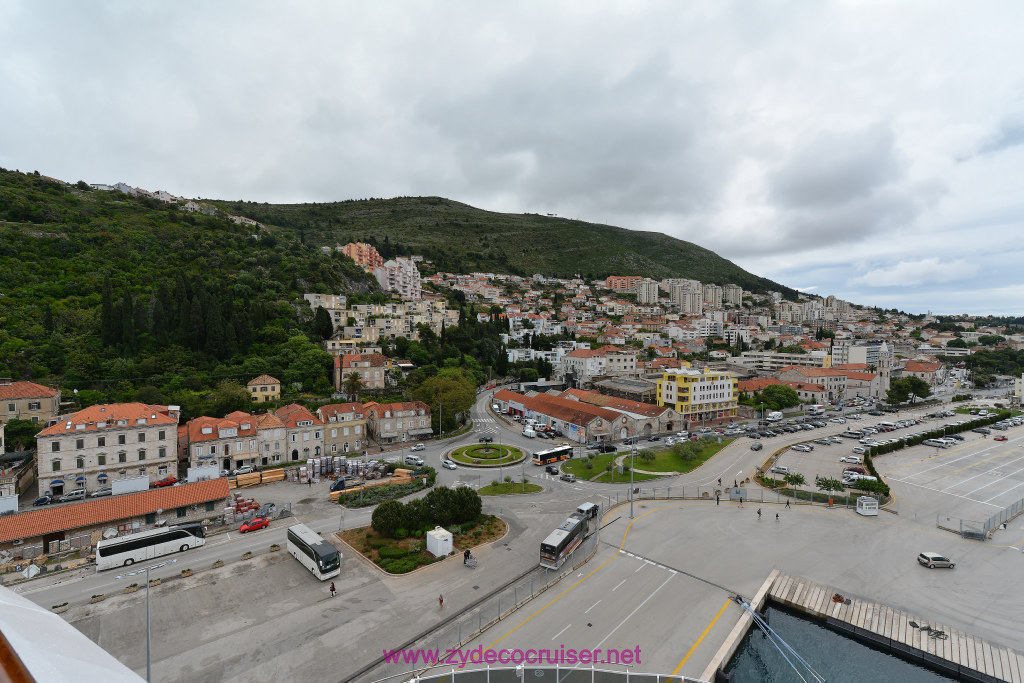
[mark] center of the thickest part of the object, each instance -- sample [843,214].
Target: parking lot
[972,480]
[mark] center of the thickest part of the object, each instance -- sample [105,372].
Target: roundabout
[487,455]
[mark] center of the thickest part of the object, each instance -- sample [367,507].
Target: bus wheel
[129,562]
[183,548]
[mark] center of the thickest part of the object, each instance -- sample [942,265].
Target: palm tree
[352,383]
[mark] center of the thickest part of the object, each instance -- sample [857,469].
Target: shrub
[399,566]
[401,535]
[495,482]
[393,553]
[508,479]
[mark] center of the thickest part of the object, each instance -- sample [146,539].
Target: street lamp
[632,457]
[148,632]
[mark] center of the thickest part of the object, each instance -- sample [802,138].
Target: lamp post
[149,667]
[632,456]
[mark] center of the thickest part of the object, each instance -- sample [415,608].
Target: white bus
[562,541]
[317,555]
[124,551]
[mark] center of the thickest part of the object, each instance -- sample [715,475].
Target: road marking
[563,630]
[638,569]
[617,587]
[994,471]
[698,641]
[592,606]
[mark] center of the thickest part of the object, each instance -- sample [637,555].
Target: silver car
[933,560]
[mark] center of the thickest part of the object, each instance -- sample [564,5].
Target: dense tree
[388,517]
[352,384]
[449,393]
[776,397]
[323,327]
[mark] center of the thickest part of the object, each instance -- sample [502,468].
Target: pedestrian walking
[759,514]
[716,499]
[741,501]
[333,592]
[776,516]
[719,481]
[787,503]
[310,481]
[440,602]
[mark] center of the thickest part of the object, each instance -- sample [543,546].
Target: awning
[57,482]
[80,479]
[102,477]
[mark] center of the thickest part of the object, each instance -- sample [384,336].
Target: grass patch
[402,556]
[502,489]
[486,454]
[614,477]
[578,466]
[666,461]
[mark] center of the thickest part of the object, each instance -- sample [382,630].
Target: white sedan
[838,420]
[800,447]
[851,458]
[448,464]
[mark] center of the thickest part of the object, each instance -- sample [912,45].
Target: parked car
[448,464]
[606,448]
[76,494]
[42,500]
[413,460]
[958,437]
[417,447]
[339,484]
[854,470]
[654,437]
[486,439]
[103,491]
[756,446]
[568,477]
[780,469]
[244,469]
[254,524]
[933,560]
[804,448]
[169,480]
[851,458]
[1001,437]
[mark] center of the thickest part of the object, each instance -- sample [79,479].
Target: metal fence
[1003,516]
[726,492]
[554,674]
[479,617]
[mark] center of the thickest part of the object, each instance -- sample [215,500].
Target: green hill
[461,238]
[138,300]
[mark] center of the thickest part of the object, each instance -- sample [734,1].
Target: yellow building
[699,395]
[264,389]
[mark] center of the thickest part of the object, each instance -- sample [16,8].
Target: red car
[169,480]
[254,524]
[999,438]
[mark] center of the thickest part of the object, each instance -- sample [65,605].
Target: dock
[959,654]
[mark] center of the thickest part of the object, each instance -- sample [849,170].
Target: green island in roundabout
[486,454]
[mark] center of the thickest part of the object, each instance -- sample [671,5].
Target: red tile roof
[399,406]
[236,420]
[263,379]
[921,366]
[109,415]
[333,409]
[851,366]
[757,384]
[25,390]
[93,513]
[293,413]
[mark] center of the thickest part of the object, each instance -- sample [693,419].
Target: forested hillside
[460,238]
[129,298]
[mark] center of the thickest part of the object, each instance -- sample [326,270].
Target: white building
[400,275]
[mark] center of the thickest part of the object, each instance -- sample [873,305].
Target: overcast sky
[871,150]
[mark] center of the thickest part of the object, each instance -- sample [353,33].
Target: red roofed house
[805,391]
[398,422]
[303,431]
[344,427]
[264,389]
[89,448]
[933,373]
[27,401]
[833,381]
[645,418]
[82,524]
[233,441]
[372,369]
[586,364]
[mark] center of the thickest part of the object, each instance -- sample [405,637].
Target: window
[199,450]
[213,450]
[150,518]
[295,437]
[334,448]
[101,441]
[162,453]
[55,446]
[122,457]
[316,435]
[162,471]
[79,444]
[123,474]
[142,436]
[181,512]
[142,454]
[121,439]
[334,433]
[80,463]
[209,506]
[11,408]
[101,460]
[142,471]
[161,435]
[55,465]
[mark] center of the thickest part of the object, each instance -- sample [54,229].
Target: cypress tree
[107,326]
[127,309]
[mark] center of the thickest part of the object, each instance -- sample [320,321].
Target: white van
[76,494]
[774,417]
[413,460]
[816,410]
[529,433]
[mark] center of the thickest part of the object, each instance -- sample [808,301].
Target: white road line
[593,606]
[1001,477]
[653,593]
[638,569]
[941,464]
[955,495]
[617,587]
[993,471]
[563,630]
[1003,493]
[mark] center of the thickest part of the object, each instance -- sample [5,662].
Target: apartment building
[687,300]
[622,283]
[732,295]
[647,291]
[228,442]
[27,401]
[89,448]
[372,369]
[585,365]
[366,255]
[303,432]
[770,361]
[834,381]
[398,422]
[713,295]
[344,427]
[699,395]
[402,276]
[264,389]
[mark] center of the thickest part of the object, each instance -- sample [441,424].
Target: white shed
[867,506]
[440,542]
